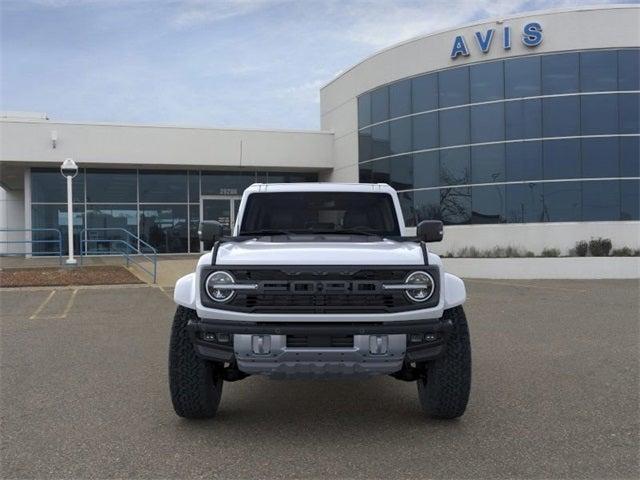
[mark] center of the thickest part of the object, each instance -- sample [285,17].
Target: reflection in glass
[400,135]
[427,205]
[364,174]
[487,81]
[165,227]
[599,71]
[488,204]
[424,93]
[380,104]
[523,161]
[522,77]
[487,123]
[54,216]
[49,186]
[194,221]
[600,200]
[599,114]
[629,69]
[163,186]
[453,87]
[380,140]
[114,218]
[561,159]
[381,171]
[630,157]
[487,164]
[400,98]
[408,212]
[455,166]
[454,127]
[561,202]
[455,205]
[365,145]
[426,169]
[561,116]
[600,157]
[401,174]
[630,200]
[524,203]
[425,131]
[112,186]
[523,119]
[629,113]
[194,186]
[560,73]
[364,110]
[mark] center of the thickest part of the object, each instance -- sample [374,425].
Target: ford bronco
[319,280]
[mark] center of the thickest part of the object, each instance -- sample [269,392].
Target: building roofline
[416,38]
[147,125]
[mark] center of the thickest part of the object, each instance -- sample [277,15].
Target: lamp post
[69,169]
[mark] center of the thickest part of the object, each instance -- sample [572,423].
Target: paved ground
[555,395]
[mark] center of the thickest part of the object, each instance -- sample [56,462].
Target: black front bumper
[414,353]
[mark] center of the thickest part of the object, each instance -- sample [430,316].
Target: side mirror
[430,231]
[210,233]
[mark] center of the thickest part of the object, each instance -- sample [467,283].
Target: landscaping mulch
[58,276]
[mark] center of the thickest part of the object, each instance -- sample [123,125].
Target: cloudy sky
[227,63]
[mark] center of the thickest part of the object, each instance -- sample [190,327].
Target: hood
[256,252]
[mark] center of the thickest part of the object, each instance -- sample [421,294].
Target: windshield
[320,212]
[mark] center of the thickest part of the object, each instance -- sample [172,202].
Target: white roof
[320,187]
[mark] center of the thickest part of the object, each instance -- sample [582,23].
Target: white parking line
[39,309]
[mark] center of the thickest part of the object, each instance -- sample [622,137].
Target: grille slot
[319,341]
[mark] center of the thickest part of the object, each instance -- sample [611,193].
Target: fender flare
[185,292]
[455,292]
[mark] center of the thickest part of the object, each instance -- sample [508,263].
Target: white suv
[319,280]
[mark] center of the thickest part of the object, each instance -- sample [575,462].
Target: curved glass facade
[541,138]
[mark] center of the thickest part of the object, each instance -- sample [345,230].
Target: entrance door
[214,208]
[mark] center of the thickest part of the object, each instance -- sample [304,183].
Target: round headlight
[425,286]
[220,280]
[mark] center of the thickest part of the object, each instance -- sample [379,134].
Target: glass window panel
[408,212]
[487,123]
[401,174]
[455,205]
[364,110]
[194,221]
[600,200]
[488,205]
[561,116]
[600,157]
[380,141]
[426,169]
[425,131]
[560,73]
[630,157]
[454,127]
[599,114]
[561,159]
[165,227]
[365,145]
[629,113]
[522,77]
[630,200]
[54,216]
[380,105]
[599,71]
[524,203]
[115,218]
[194,186]
[400,135]
[364,172]
[487,81]
[523,161]
[629,69]
[400,98]
[112,186]
[453,87]
[424,93]
[226,183]
[455,166]
[163,186]
[562,202]
[427,205]
[48,185]
[523,119]
[381,170]
[487,164]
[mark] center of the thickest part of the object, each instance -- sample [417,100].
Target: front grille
[319,341]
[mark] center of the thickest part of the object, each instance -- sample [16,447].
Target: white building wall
[11,217]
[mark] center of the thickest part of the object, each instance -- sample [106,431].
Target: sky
[218,63]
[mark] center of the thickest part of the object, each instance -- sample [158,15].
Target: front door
[219,209]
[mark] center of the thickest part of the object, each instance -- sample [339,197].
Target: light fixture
[54,138]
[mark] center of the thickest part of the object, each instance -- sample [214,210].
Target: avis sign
[531,37]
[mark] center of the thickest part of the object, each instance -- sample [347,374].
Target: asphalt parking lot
[555,395]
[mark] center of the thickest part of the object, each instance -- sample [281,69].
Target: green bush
[582,248]
[600,247]
[625,252]
[550,252]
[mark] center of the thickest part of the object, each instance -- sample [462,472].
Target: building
[521,131]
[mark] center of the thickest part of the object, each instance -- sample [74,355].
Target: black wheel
[195,384]
[444,388]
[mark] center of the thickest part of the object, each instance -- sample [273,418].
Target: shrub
[581,248]
[550,252]
[529,253]
[600,247]
[625,252]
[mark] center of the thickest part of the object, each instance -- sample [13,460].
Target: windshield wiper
[267,232]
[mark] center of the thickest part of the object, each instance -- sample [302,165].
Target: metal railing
[57,241]
[131,248]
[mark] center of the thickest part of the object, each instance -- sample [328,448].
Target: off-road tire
[444,387]
[195,384]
